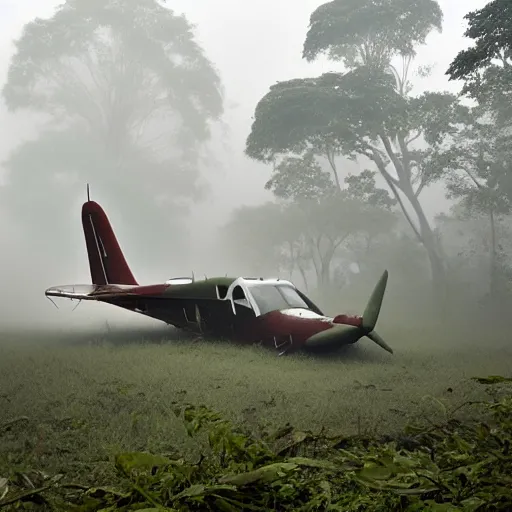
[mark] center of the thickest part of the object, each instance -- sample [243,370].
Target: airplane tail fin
[106,260]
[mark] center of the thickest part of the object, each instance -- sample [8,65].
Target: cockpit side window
[238,293]
[239,298]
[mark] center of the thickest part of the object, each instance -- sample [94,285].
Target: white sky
[253,44]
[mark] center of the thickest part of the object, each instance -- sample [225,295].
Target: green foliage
[332,112]
[492,379]
[436,115]
[362,187]
[352,113]
[451,466]
[491,31]
[486,66]
[303,179]
[300,178]
[366,32]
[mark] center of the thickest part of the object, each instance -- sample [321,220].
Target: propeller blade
[377,339]
[371,313]
[337,335]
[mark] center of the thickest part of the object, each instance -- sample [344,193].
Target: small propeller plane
[272,312]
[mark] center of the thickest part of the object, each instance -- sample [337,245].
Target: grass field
[78,399]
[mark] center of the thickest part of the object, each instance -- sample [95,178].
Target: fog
[323,143]
[252,46]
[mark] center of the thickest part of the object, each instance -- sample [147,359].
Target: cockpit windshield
[275,297]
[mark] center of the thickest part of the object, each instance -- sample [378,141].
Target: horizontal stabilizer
[103,292]
[85,291]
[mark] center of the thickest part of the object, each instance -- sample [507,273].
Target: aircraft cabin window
[238,293]
[222,291]
[292,297]
[240,298]
[272,298]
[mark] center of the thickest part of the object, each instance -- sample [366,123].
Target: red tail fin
[106,260]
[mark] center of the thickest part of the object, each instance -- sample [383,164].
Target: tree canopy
[480,160]
[366,112]
[300,178]
[333,112]
[491,30]
[95,60]
[478,170]
[486,67]
[310,233]
[128,96]
[370,32]
[480,164]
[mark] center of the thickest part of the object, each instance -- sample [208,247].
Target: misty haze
[345,166]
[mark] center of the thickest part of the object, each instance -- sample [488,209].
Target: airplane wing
[104,291]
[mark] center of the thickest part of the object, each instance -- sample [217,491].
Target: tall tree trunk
[424,232]
[326,265]
[330,154]
[322,263]
[493,259]
[431,245]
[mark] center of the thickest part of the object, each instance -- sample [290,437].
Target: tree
[480,165]
[366,112]
[468,244]
[481,160]
[363,187]
[328,213]
[128,97]
[368,32]
[300,178]
[326,225]
[486,67]
[307,233]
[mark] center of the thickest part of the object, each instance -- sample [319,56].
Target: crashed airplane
[272,312]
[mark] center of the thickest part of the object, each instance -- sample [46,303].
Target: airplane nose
[350,330]
[337,335]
